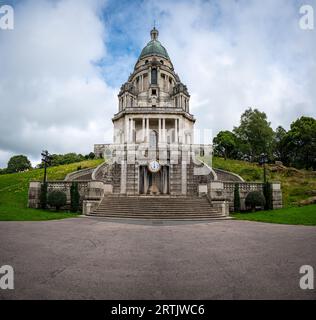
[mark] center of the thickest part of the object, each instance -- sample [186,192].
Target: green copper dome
[154,47]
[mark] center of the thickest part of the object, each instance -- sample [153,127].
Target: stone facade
[153,151]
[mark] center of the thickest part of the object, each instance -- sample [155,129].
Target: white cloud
[254,55]
[52,94]
[230,54]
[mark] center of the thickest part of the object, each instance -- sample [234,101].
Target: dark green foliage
[68,158]
[267,191]
[225,145]
[18,164]
[74,197]
[255,199]
[4,171]
[299,144]
[255,134]
[236,198]
[57,199]
[43,196]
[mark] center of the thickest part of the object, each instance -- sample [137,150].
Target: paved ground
[89,258]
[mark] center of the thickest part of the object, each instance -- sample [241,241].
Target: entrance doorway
[151,183]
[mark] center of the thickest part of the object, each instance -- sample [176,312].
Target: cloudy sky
[62,65]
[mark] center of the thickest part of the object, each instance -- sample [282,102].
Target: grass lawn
[14,192]
[295,215]
[296,184]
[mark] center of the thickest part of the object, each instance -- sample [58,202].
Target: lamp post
[262,161]
[46,159]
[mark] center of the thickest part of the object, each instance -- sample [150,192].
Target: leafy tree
[255,199]
[57,199]
[267,191]
[255,134]
[3,171]
[74,197]
[236,198]
[18,164]
[225,144]
[43,196]
[300,143]
[91,156]
[280,152]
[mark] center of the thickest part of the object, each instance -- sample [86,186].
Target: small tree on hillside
[18,164]
[74,197]
[236,198]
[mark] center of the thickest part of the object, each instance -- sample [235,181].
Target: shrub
[267,191]
[236,198]
[43,196]
[74,197]
[255,199]
[57,199]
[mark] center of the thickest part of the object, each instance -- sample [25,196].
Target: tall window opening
[153,76]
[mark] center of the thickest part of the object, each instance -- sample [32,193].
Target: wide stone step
[156,207]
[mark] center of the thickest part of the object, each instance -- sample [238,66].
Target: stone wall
[89,191]
[224,191]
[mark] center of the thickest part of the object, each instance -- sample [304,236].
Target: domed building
[153,169]
[153,129]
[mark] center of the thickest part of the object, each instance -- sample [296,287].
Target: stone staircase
[156,207]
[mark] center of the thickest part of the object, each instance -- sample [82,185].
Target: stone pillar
[159,130]
[147,129]
[276,195]
[176,130]
[34,195]
[126,129]
[181,139]
[141,82]
[164,130]
[143,131]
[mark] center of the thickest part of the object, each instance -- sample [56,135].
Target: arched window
[153,76]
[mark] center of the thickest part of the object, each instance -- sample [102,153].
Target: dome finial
[154,32]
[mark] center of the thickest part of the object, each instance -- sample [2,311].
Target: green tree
[57,199]
[279,146]
[255,199]
[255,134]
[18,164]
[236,198]
[43,196]
[225,145]
[267,191]
[74,197]
[300,143]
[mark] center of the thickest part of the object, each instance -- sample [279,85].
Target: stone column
[176,130]
[126,129]
[159,130]
[181,139]
[147,130]
[142,82]
[143,132]
[164,130]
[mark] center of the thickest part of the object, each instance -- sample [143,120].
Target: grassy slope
[296,184]
[14,190]
[295,215]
